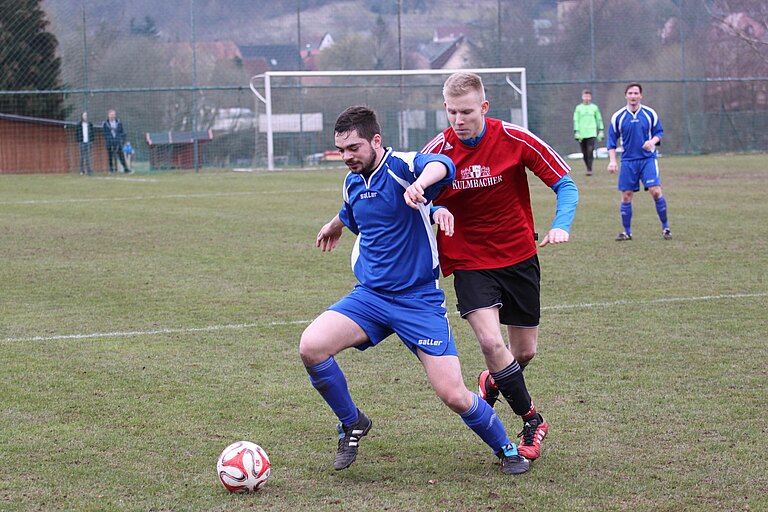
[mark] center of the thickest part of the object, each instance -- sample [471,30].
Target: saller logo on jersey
[430,342]
[368,195]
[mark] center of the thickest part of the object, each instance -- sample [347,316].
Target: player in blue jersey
[387,198]
[640,131]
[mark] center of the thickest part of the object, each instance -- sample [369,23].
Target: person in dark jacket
[114,135]
[84,135]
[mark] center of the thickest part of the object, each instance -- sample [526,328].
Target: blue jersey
[634,130]
[396,247]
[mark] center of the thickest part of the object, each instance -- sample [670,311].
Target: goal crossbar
[266,98]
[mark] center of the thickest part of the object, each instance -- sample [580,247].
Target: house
[258,59]
[455,54]
[37,145]
[309,53]
[445,34]
[210,52]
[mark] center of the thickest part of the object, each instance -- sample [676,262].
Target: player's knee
[525,356]
[491,344]
[310,350]
[458,400]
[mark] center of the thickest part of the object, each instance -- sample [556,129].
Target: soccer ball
[243,467]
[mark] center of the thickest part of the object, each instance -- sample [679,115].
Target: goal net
[296,111]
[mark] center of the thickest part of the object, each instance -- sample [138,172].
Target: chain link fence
[178,72]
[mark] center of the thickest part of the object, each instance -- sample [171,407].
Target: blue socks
[328,379]
[484,422]
[661,209]
[626,217]
[626,214]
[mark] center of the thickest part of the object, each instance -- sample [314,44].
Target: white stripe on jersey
[438,141]
[507,129]
[651,124]
[405,157]
[617,118]
[355,252]
[345,190]
[424,208]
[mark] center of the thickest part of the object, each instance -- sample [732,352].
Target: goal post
[300,108]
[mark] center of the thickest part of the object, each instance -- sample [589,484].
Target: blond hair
[459,84]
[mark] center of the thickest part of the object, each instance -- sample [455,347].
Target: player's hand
[444,220]
[555,236]
[649,145]
[414,195]
[613,167]
[577,136]
[328,237]
[600,135]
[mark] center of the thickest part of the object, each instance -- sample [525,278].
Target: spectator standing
[587,127]
[114,135]
[84,136]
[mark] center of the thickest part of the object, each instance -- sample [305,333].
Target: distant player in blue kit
[639,128]
[387,197]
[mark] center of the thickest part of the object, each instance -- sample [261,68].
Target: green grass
[147,321]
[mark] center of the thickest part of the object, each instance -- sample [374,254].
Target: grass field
[147,321]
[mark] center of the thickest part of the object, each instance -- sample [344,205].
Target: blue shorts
[632,171]
[417,316]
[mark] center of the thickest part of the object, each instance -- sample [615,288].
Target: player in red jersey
[493,251]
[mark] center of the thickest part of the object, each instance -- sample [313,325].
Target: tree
[737,46]
[745,23]
[352,52]
[147,29]
[383,43]
[28,61]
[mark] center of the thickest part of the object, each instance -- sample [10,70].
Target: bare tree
[743,21]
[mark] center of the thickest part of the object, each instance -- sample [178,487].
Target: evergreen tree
[28,61]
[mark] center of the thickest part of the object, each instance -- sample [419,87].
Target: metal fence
[181,68]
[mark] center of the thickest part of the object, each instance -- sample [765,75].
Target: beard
[363,166]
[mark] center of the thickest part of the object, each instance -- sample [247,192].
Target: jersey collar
[474,141]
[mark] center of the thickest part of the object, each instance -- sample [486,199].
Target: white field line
[165,196]
[653,301]
[304,322]
[129,180]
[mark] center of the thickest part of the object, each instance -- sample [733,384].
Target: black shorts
[515,290]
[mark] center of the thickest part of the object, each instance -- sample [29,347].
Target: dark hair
[633,84]
[360,119]
[586,91]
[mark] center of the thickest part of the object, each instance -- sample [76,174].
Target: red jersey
[489,198]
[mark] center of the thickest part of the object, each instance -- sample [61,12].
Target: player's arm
[443,217]
[656,131]
[435,170]
[651,143]
[599,121]
[328,237]
[576,134]
[550,168]
[613,165]
[567,199]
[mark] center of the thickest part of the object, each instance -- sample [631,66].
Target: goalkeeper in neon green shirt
[587,126]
